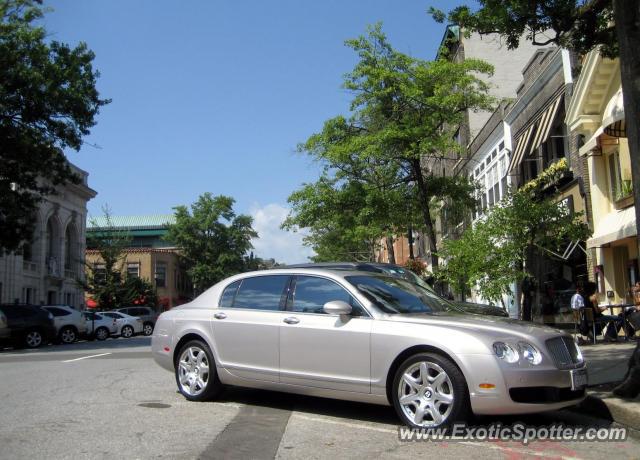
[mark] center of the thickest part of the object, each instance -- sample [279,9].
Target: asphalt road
[110,400]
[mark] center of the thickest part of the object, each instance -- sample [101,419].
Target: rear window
[262,293]
[55,311]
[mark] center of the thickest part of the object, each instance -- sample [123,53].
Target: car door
[321,350]
[246,326]
[59,315]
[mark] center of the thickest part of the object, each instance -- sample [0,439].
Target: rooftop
[155,221]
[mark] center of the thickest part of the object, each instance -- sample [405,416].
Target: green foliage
[492,255]
[404,111]
[110,287]
[214,241]
[580,25]
[48,102]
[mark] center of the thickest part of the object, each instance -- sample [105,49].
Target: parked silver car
[365,337]
[69,322]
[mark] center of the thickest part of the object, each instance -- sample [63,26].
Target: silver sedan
[365,337]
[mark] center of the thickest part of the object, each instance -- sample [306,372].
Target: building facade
[540,140]
[149,255]
[596,115]
[49,268]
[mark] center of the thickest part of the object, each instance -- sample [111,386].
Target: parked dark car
[146,314]
[397,271]
[29,325]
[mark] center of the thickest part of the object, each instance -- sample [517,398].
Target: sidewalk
[607,366]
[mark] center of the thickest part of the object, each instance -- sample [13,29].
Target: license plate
[578,379]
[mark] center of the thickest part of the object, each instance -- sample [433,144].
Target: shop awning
[616,226]
[613,123]
[537,132]
[544,127]
[522,142]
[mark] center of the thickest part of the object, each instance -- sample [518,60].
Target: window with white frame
[491,174]
[133,269]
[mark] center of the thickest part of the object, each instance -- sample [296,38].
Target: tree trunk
[391,254]
[410,240]
[627,19]
[426,215]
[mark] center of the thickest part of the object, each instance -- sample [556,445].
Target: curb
[604,405]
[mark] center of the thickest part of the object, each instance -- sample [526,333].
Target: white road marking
[85,357]
[488,445]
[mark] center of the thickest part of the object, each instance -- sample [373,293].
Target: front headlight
[530,353]
[506,352]
[579,356]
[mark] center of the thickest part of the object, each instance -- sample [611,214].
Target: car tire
[102,333]
[195,371]
[33,338]
[439,402]
[147,329]
[126,332]
[68,335]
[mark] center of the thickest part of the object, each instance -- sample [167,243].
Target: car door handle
[291,320]
[219,316]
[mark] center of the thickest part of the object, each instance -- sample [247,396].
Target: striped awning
[521,144]
[546,122]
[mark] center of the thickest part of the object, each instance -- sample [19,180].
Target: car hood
[491,324]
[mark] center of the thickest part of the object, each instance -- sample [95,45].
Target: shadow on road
[114,343]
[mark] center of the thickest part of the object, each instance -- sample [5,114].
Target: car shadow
[310,405]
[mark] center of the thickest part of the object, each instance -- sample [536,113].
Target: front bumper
[518,390]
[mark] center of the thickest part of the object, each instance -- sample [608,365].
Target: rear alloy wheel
[430,391]
[102,333]
[33,339]
[127,331]
[147,329]
[68,335]
[196,372]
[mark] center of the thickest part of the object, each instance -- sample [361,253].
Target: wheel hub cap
[193,371]
[425,394]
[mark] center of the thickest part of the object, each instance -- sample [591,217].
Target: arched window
[69,248]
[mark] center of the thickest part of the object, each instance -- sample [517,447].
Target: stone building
[48,269]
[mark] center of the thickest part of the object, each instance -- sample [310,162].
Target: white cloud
[281,245]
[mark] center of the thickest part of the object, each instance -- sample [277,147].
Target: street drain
[155,405]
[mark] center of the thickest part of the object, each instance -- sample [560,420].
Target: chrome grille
[564,352]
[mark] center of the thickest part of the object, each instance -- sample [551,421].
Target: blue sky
[214,96]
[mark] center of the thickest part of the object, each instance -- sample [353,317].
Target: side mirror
[337,307]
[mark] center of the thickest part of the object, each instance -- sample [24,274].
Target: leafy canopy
[48,102]
[214,241]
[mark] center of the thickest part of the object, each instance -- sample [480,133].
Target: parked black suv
[30,325]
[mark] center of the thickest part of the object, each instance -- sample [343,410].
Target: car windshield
[395,295]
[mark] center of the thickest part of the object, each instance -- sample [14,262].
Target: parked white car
[69,322]
[127,326]
[98,326]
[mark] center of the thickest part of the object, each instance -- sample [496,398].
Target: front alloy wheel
[195,372]
[102,333]
[429,391]
[33,339]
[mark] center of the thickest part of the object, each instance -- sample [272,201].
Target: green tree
[48,102]
[579,25]
[214,241]
[494,253]
[404,112]
[108,284]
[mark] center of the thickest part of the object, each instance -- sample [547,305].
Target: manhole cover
[155,405]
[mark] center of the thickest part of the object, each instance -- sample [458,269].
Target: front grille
[564,352]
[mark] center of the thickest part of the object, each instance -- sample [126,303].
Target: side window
[58,311]
[261,292]
[311,293]
[229,293]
